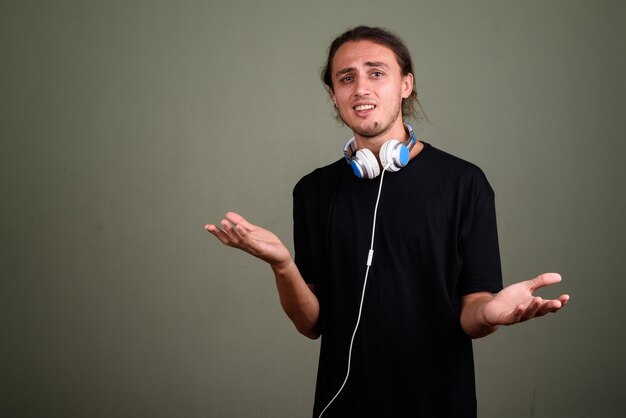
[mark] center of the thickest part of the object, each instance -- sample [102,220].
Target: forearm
[297,299]
[473,319]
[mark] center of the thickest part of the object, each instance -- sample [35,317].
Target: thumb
[543,280]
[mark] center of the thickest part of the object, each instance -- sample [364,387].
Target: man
[398,274]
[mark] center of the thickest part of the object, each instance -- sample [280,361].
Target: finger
[516,315]
[241,230]
[548,306]
[531,310]
[237,219]
[218,233]
[543,280]
[230,229]
[557,304]
[213,229]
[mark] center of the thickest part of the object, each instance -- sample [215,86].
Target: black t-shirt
[435,241]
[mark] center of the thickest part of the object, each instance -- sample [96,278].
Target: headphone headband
[412,141]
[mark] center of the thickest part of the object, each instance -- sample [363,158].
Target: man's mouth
[361,108]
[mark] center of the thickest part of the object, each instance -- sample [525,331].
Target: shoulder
[320,179]
[455,170]
[448,161]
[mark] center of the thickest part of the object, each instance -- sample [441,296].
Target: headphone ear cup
[393,155]
[365,165]
[386,155]
[386,159]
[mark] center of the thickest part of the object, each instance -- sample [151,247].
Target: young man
[426,286]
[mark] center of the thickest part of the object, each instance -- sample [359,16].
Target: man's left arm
[482,313]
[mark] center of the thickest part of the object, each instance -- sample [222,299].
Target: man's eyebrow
[367,63]
[344,71]
[376,64]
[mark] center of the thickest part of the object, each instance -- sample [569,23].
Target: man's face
[368,87]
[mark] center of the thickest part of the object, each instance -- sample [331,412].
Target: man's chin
[371,132]
[366,130]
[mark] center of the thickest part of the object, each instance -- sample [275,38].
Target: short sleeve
[313,197]
[481,269]
[302,239]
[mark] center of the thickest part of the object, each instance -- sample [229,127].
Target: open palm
[237,232]
[516,303]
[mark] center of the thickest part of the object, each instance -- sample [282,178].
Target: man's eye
[347,79]
[377,74]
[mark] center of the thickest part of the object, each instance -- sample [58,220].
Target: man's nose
[362,86]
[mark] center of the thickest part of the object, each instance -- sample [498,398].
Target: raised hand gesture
[516,303]
[236,232]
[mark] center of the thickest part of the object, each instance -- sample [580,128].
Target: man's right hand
[296,297]
[236,232]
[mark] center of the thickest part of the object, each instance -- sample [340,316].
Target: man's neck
[374,143]
[398,132]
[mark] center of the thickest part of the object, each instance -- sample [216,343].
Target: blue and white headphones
[393,156]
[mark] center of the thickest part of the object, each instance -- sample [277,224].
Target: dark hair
[383,37]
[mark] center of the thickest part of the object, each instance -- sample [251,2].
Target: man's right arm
[296,297]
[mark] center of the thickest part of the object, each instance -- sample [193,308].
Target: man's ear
[407,85]
[332,96]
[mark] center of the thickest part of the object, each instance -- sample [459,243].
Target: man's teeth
[364,107]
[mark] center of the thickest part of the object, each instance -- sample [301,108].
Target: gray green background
[126,126]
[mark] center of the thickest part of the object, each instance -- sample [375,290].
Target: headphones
[393,156]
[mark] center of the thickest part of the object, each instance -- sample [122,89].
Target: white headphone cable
[370,256]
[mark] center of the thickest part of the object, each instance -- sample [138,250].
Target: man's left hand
[516,303]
